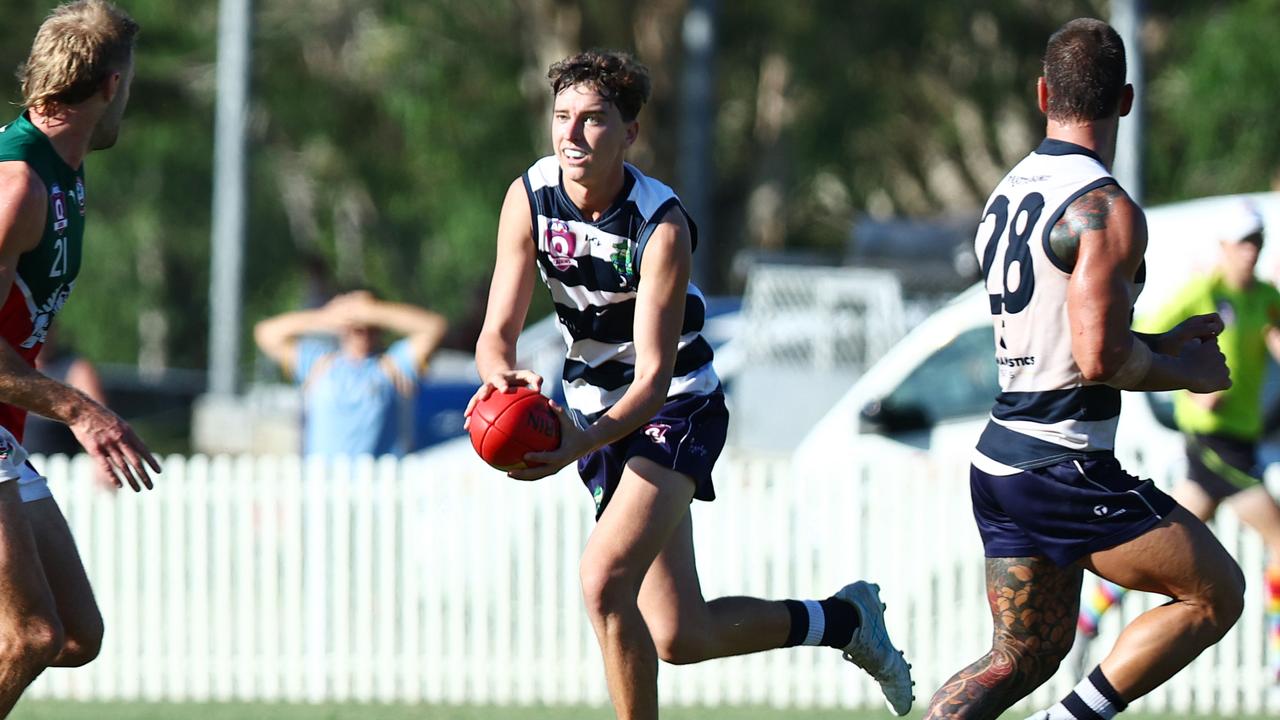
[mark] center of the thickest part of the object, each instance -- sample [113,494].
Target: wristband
[1135,367]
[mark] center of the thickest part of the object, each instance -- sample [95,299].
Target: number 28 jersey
[1046,411]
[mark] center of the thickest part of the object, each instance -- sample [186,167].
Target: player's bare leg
[647,507]
[1257,509]
[1193,497]
[1181,559]
[73,596]
[1033,606]
[688,629]
[1106,594]
[30,634]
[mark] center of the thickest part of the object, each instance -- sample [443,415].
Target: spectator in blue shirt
[352,389]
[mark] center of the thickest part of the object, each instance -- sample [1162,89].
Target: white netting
[821,318]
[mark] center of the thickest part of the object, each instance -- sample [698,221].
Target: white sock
[817,623]
[1092,699]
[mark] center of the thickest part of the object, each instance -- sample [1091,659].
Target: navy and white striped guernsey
[592,270]
[1046,411]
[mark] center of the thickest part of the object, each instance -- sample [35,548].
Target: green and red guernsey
[47,273]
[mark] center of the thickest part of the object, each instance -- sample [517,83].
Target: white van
[934,389]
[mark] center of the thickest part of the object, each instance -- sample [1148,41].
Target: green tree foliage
[1213,116]
[386,136]
[141,294]
[892,108]
[385,132]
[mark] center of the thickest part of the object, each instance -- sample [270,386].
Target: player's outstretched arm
[106,437]
[510,292]
[1105,234]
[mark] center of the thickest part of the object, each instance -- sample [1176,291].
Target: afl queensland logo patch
[59,203]
[561,245]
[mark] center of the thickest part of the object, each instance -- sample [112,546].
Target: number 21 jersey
[47,273]
[1046,411]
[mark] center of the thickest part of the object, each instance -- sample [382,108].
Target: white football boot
[873,651]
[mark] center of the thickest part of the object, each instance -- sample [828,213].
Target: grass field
[41,710]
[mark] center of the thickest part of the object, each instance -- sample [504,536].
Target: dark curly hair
[1084,67]
[617,76]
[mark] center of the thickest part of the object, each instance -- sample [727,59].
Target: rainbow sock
[1105,594]
[1273,619]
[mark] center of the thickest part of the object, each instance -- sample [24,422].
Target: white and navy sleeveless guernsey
[592,270]
[1046,411]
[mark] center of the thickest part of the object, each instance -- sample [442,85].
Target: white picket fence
[436,579]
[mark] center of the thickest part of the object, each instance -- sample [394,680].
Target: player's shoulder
[544,172]
[18,180]
[1108,208]
[23,206]
[653,199]
[1103,216]
[517,199]
[675,216]
[1106,197]
[671,235]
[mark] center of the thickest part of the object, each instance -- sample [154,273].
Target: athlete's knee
[34,642]
[81,646]
[1030,663]
[607,588]
[1218,603]
[1227,599]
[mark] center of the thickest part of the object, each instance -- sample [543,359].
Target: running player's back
[1046,411]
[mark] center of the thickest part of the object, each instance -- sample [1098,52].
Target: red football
[506,425]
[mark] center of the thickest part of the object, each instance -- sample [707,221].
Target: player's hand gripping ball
[506,425]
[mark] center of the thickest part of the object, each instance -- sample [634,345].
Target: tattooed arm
[1089,213]
[1104,234]
[1034,604]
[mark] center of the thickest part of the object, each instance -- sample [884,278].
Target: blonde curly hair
[75,49]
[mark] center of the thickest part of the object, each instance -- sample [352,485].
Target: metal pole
[697,122]
[1126,18]
[230,125]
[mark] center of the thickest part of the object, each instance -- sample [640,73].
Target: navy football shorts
[1222,466]
[1064,511]
[686,435]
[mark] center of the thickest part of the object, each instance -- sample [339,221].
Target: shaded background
[383,135]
